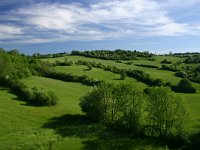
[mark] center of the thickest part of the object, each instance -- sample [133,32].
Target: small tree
[89,66]
[181,74]
[96,103]
[166,112]
[123,75]
[120,104]
[185,86]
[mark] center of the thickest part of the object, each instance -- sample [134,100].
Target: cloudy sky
[48,26]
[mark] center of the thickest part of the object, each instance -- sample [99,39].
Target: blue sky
[48,26]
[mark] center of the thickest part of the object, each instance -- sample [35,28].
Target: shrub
[184,86]
[147,66]
[39,97]
[120,105]
[157,82]
[151,59]
[166,112]
[181,74]
[123,75]
[165,61]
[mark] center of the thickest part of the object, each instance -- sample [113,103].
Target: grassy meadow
[65,126]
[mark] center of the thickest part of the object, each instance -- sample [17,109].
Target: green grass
[97,73]
[64,125]
[193,100]
[21,125]
[166,76]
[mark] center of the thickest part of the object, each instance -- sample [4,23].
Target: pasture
[65,126]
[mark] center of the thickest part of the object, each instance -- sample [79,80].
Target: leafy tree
[121,105]
[185,86]
[89,66]
[96,102]
[165,61]
[166,112]
[123,75]
[181,74]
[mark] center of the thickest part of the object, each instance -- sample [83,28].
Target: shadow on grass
[194,142]
[101,137]
[194,139]
[87,69]
[74,125]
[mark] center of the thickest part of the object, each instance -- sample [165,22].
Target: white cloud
[48,22]
[9,32]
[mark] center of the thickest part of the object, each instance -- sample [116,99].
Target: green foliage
[113,55]
[13,65]
[120,105]
[133,73]
[194,59]
[89,67]
[169,68]
[123,75]
[34,96]
[165,61]
[39,97]
[167,114]
[181,74]
[159,113]
[147,66]
[184,86]
[65,63]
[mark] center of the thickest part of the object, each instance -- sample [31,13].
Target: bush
[166,113]
[34,96]
[157,82]
[39,97]
[181,74]
[165,61]
[145,65]
[184,86]
[120,105]
[123,75]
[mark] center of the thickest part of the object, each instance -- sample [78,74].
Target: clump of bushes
[34,96]
[165,61]
[184,86]
[151,59]
[145,65]
[118,54]
[135,111]
[123,75]
[195,59]
[133,73]
[39,97]
[65,63]
[72,78]
[169,68]
[181,74]
[118,105]
[129,63]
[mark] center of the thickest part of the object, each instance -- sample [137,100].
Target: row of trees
[142,76]
[194,59]
[113,55]
[71,78]
[13,67]
[165,61]
[66,62]
[146,65]
[156,112]
[33,96]
[55,55]
[133,73]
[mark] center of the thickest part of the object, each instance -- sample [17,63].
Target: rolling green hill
[65,126]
